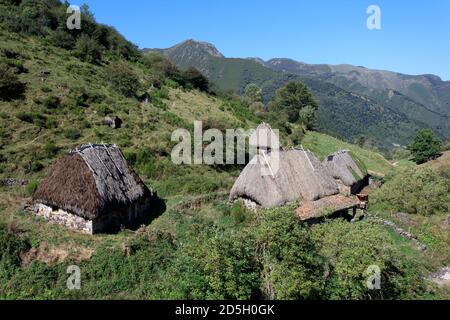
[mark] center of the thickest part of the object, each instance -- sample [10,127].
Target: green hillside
[56,89]
[323,145]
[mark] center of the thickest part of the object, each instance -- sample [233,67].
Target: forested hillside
[386,112]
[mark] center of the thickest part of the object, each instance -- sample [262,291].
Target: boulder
[113,122]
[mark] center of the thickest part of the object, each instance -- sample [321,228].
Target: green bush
[416,191]
[46,89]
[38,119]
[350,249]
[212,265]
[103,110]
[11,246]
[239,213]
[88,50]
[123,79]
[291,99]
[52,102]
[196,79]
[62,38]
[36,166]
[72,133]
[292,269]
[10,86]
[50,149]
[31,187]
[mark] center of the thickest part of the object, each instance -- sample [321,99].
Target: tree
[63,39]
[308,117]
[196,79]
[291,99]
[88,50]
[253,93]
[253,97]
[10,85]
[123,79]
[425,146]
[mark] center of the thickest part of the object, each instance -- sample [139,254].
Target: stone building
[93,189]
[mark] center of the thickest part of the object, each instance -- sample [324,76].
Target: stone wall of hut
[64,218]
[132,216]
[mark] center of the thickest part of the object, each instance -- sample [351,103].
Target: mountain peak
[206,47]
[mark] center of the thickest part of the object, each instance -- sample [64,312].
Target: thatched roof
[323,207]
[90,181]
[346,167]
[300,175]
[264,137]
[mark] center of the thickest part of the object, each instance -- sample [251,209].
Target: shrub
[125,141]
[61,38]
[31,187]
[52,102]
[292,269]
[103,110]
[212,265]
[88,50]
[46,89]
[196,79]
[72,133]
[4,115]
[123,79]
[10,86]
[308,117]
[173,119]
[239,212]
[11,246]
[37,119]
[36,166]
[415,191]
[51,149]
[350,249]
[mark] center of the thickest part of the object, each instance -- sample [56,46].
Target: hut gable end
[92,181]
[70,186]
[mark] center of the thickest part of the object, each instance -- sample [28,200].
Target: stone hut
[93,190]
[288,176]
[349,172]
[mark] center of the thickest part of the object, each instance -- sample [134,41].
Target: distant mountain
[386,107]
[427,90]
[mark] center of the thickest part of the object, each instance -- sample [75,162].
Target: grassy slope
[323,145]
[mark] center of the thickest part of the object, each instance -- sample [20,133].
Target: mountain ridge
[341,89]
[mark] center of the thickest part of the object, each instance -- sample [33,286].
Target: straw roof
[346,167]
[264,137]
[300,175]
[324,207]
[90,181]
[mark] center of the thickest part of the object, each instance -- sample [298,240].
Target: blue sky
[414,39]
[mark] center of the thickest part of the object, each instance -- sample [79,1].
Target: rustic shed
[93,189]
[350,172]
[297,174]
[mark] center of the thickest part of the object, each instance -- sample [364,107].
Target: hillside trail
[401,232]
